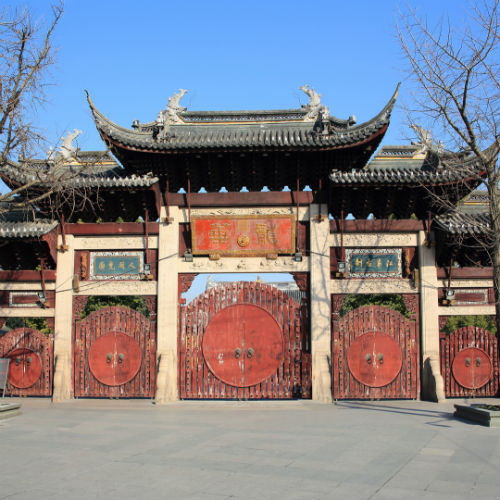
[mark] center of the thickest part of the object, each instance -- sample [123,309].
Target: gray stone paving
[93,449]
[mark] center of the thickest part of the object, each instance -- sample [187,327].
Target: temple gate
[244,341]
[294,191]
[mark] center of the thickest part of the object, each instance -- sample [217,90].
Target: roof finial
[67,148]
[425,139]
[170,115]
[314,106]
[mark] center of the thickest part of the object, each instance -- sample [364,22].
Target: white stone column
[432,380]
[167,303]
[63,324]
[320,304]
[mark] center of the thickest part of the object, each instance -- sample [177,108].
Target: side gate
[244,340]
[375,354]
[114,352]
[31,362]
[469,362]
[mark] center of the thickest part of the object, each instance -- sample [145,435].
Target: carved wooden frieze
[151,305]
[79,303]
[185,281]
[302,280]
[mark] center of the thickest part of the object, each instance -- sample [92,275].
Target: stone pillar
[432,380]
[168,249]
[63,324]
[320,305]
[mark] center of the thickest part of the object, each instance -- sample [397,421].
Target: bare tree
[456,71]
[26,57]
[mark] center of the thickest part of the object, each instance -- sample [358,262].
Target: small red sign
[243,235]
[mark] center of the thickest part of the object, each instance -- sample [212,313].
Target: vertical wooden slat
[292,376]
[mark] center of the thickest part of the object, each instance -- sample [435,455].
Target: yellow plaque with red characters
[249,235]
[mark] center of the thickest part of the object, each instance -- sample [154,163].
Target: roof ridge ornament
[314,107]
[67,149]
[425,140]
[170,115]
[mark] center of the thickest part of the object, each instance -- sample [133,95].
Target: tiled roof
[243,130]
[407,165]
[106,175]
[460,223]
[26,229]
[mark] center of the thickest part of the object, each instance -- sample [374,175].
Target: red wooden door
[31,358]
[114,354]
[114,358]
[244,340]
[469,362]
[243,345]
[375,355]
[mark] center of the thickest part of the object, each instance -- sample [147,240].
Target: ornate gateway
[244,340]
[114,353]
[375,355]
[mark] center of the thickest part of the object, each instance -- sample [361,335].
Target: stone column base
[62,378]
[321,377]
[432,380]
[166,380]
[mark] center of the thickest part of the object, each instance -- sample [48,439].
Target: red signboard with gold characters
[247,235]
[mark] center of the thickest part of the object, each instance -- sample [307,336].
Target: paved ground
[99,449]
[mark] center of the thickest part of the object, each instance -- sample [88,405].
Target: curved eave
[401,178]
[295,137]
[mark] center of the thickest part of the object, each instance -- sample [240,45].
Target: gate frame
[149,351]
[43,386]
[277,302]
[412,304]
[462,338]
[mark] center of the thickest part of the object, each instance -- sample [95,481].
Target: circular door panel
[25,368]
[472,368]
[263,345]
[115,358]
[243,345]
[374,359]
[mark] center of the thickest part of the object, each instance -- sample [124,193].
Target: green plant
[135,302]
[481,321]
[35,323]
[394,301]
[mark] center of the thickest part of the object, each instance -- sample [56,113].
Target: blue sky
[133,55]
